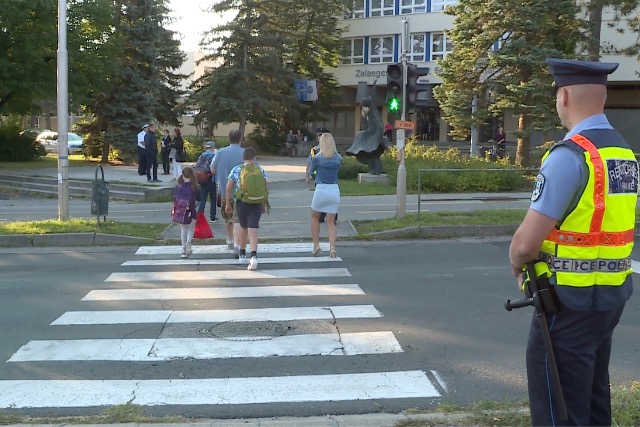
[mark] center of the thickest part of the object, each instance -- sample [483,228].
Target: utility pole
[401,181]
[63,113]
[474,127]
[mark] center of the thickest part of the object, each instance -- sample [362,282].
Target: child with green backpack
[248,184]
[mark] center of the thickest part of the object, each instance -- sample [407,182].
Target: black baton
[540,299]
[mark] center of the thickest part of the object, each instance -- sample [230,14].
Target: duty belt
[572,265]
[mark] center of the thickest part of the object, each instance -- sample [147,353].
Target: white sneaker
[253,263]
[188,249]
[230,244]
[184,251]
[242,259]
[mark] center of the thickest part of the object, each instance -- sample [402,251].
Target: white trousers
[177,169]
[186,232]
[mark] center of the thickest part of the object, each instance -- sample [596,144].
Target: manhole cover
[247,331]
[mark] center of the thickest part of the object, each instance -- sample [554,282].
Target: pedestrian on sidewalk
[207,180]
[165,151]
[326,197]
[142,155]
[579,232]
[224,161]
[179,156]
[184,208]
[309,177]
[248,184]
[151,149]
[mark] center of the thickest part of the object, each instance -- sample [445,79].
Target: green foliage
[458,180]
[268,45]
[142,87]
[350,168]
[513,77]
[16,146]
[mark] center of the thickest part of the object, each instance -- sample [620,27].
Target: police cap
[567,72]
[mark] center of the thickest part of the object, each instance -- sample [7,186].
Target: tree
[499,52]
[261,51]
[625,18]
[28,58]
[144,85]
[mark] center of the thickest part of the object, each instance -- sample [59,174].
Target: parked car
[49,141]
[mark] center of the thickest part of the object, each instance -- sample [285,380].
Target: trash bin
[100,196]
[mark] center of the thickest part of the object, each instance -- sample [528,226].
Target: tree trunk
[524,142]
[595,29]
[47,114]
[242,122]
[105,148]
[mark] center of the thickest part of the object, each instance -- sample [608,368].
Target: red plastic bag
[202,231]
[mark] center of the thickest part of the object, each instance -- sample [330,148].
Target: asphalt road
[441,300]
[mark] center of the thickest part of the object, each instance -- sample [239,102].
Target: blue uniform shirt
[564,174]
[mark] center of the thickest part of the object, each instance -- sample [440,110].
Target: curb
[447,231]
[363,420]
[69,239]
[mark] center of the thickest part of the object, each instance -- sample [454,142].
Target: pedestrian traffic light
[394,87]
[414,88]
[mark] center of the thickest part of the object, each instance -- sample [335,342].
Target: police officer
[580,222]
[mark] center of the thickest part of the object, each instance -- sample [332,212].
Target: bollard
[100,196]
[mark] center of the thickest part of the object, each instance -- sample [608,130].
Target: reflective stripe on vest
[592,246]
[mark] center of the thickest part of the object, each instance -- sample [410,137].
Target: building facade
[371,42]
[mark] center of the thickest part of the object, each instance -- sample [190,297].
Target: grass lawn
[48,162]
[77,225]
[625,409]
[351,187]
[476,217]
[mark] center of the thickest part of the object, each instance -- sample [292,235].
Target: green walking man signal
[394,87]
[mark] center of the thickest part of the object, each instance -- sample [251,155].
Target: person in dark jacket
[151,149]
[179,155]
[166,149]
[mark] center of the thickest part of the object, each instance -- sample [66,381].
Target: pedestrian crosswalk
[198,329]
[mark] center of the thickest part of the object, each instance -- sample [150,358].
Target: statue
[369,144]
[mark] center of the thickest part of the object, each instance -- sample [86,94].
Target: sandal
[317,251]
[332,253]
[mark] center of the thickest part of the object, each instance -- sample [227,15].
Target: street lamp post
[63,113]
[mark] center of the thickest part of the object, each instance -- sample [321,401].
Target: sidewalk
[290,199]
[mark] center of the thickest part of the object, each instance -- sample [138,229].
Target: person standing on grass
[224,161]
[326,197]
[579,234]
[248,184]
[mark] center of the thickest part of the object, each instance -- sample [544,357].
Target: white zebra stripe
[216,391]
[227,261]
[153,350]
[278,314]
[263,248]
[241,274]
[222,293]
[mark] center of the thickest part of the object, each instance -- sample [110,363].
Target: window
[382,7]
[381,49]
[439,5]
[440,46]
[416,47]
[413,6]
[355,10]
[353,51]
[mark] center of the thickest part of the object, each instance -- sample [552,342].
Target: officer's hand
[307,179]
[521,278]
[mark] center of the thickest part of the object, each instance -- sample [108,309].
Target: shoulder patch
[537,187]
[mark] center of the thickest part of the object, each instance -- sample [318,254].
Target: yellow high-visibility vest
[592,245]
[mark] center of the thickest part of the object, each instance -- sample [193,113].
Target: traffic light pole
[401,181]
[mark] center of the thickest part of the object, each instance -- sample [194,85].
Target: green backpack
[253,186]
